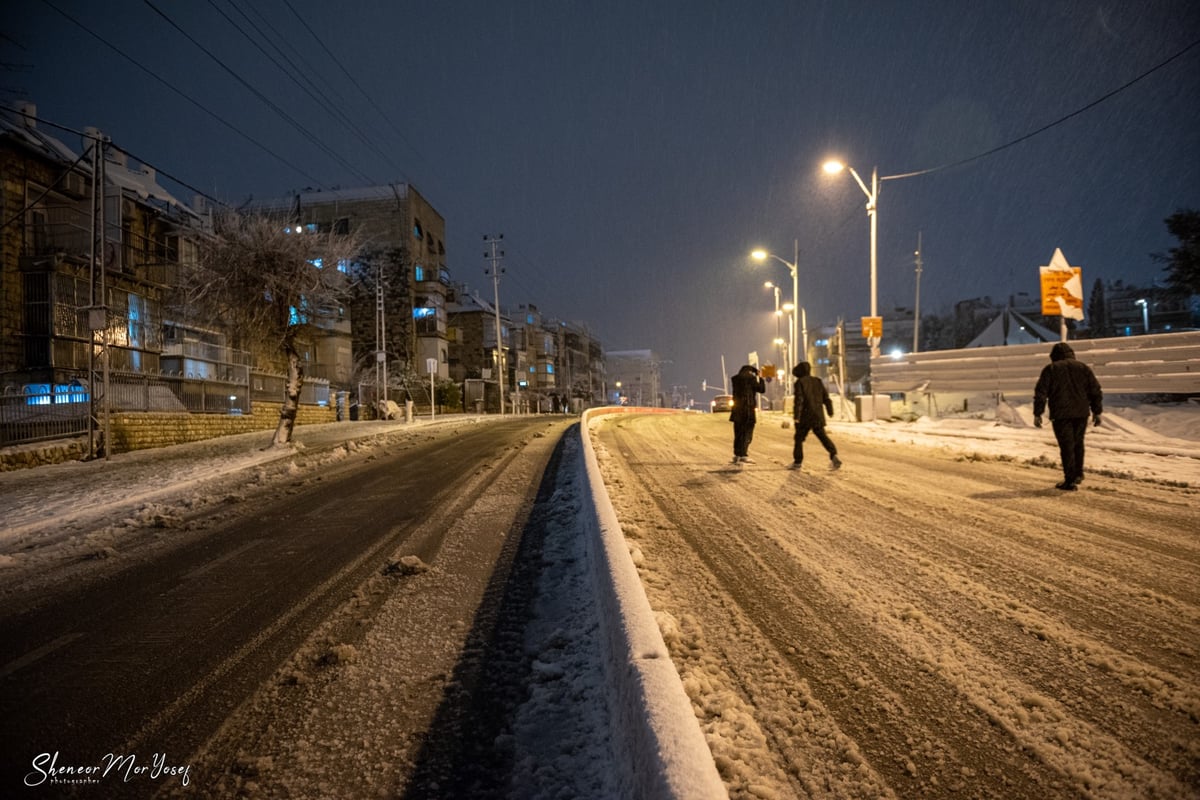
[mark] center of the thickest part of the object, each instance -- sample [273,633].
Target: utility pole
[494,255]
[98,304]
[381,367]
[917,307]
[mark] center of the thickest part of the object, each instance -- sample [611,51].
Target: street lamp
[790,308]
[763,255]
[1145,314]
[778,317]
[833,168]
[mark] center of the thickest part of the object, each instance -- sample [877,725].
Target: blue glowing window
[419,272]
[422,313]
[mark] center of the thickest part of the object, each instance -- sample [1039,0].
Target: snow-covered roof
[387,191]
[467,302]
[1012,327]
[21,124]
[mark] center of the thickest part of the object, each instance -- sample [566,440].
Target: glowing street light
[833,168]
[778,317]
[763,255]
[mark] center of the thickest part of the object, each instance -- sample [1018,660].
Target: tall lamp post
[834,167]
[763,255]
[792,355]
[778,317]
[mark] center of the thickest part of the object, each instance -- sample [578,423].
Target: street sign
[1062,288]
[872,327]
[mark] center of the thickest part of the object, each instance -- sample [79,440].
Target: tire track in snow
[855,517]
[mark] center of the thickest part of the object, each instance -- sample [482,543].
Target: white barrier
[1167,363]
[660,741]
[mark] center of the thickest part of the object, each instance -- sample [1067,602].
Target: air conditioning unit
[75,184]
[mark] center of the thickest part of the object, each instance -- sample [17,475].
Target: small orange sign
[1056,293]
[872,327]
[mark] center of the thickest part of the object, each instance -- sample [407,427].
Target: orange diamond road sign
[872,327]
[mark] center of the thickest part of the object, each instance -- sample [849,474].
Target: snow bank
[662,745]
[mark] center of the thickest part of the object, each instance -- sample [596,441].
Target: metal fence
[40,412]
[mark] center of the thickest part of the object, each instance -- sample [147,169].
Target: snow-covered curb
[662,745]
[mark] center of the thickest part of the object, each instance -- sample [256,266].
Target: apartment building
[59,307]
[400,280]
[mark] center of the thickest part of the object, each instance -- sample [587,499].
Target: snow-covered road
[930,621]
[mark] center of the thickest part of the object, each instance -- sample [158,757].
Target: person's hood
[1060,351]
[746,370]
[801,370]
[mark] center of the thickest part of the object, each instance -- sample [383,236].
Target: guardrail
[1167,363]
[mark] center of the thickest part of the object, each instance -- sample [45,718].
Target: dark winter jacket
[745,386]
[1069,386]
[810,399]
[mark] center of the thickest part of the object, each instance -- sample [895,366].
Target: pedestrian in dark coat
[746,387]
[1072,391]
[810,402]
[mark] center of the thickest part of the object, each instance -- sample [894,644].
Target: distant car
[722,402]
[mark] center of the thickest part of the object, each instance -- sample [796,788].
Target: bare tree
[269,285]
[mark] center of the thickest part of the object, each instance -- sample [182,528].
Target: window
[311,228]
[419,273]
[418,232]
[341,227]
[319,263]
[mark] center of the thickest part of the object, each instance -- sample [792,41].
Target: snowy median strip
[662,744]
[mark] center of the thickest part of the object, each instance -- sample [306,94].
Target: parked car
[722,402]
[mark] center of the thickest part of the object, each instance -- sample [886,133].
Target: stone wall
[145,430]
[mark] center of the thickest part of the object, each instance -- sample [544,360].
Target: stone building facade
[57,310]
[403,252]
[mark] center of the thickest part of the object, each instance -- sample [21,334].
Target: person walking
[1072,391]
[810,402]
[746,387]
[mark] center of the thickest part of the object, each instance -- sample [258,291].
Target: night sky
[633,153]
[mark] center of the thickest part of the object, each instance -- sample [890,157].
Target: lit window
[310,227]
[422,313]
[419,273]
[319,263]
[343,265]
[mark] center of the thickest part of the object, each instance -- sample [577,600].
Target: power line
[183,94]
[324,100]
[1045,128]
[158,170]
[357,85]
[266,100]
[47,191]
